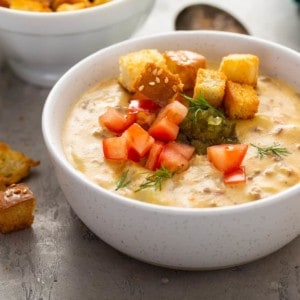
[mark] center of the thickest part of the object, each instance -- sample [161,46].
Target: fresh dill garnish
[156,179]
[199,104]
[123,181]
[275,150]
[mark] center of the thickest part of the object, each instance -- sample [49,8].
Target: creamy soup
[277,122]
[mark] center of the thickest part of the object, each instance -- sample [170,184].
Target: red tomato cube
[115,148]
[236,176]
[138,139]
[172,160]
[227,157]
[116,122]
[152,160]
[174,111]
[164,130]
[184,149]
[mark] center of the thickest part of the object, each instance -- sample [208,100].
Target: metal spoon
[207,17]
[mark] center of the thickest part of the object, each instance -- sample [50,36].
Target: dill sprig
[156,179]
[123,181]
[199,104]
[275,150]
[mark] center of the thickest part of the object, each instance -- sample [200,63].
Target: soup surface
[276,122]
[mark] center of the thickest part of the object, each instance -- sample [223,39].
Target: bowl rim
[224,210]
[57,15]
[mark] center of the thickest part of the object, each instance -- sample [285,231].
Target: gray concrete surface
[59,258]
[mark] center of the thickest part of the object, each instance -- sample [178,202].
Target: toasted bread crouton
[241,68]
[30,5]
[211,85]
[14,165]
[133,64]
[5,3]
[17,204]
[185,64]
[240,101]
[157,83]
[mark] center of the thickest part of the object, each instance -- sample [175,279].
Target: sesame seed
[154,72]
[157,80]
[17,191]
[159,72]
[149,70]
[174,88]
[152,83]
[141,87]
[166,80]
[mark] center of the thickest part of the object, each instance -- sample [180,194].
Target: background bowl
[179,238]
[40,47]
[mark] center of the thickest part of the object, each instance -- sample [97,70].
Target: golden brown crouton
[30,5]
[14,165]
[242,68]
[240,101]
[185,64]
[5,3]
[17,204]
[211,85]
[133,64]
[159,84]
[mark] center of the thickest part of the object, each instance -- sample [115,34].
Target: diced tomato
[227,157]
[172,160]
[174,111]
[138,139]
[143,105]
[164,130]
[236,176]
[116,122]
[184,149]
[115,148]
[152,160]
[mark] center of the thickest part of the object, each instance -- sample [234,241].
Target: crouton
[241,68]
[185,64]
[159,84]
[30,5]
[133,64]
[14,165]
[240,101]
[211,85]
[17,204]
[5,3]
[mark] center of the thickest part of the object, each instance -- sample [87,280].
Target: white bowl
[40,47]
[206,238]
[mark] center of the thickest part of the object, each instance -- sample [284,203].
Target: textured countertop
[59,258]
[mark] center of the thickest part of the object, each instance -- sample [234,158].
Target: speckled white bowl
[179,238]
[40,47]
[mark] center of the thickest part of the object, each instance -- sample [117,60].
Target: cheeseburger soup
[266,133]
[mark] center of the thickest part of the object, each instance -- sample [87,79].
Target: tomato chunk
[116,122]
[184,149]
[138,139]
[164,130]
[115,148]
[152,160]
[172,160]
[227,157]
[174,111]
[236,176]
